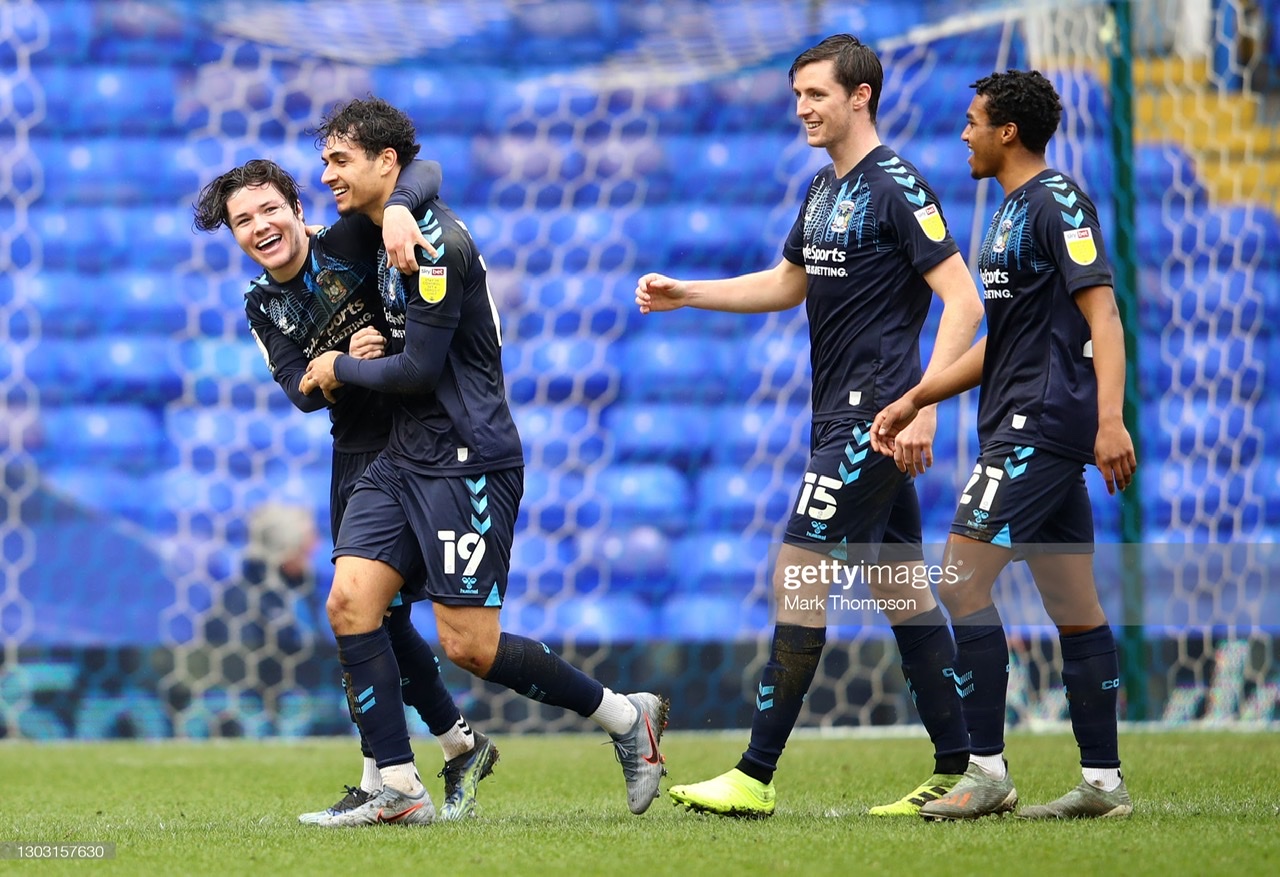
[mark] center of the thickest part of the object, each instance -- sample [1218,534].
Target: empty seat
[752,433]
[632,560]
[93,239]
[677,433]
[128,437]
[777,366]
[733,497]
[110,100]
[602,618]
[223,372]
[733,168]
[556,499]
[559,435]
[243,441]
[653,494]
[114,170]
[115,368]
[692,617]
[105,491]
[723,562]
[677,368]
[559,370]
[127,302]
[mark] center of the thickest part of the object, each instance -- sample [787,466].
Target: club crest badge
[930,220]
[840,218]
[432,281]
[1002,237]
[1080,245]
[332,285]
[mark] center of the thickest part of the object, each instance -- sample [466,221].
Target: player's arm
[952,283]
[418,183]
[1113,449]
[285,360]
[963,374]
[776,289]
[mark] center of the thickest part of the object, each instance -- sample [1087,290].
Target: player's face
[983,138]
[824,107]
[357,181]
[271,232]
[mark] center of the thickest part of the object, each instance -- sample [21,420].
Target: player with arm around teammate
[1051,371]
[453,471]
[321,293]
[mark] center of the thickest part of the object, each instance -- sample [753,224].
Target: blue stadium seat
[640,494]
[216,437]
[1210,497]
[437,102]
[106,491]
[692,617]
[733,497]
[701,238]
[114,170]
[727,168]
[1235,234]
[127,437]
[119,368]
[229,372]
[1161,169]
[546,565]
[87,101]
[111,33]
[675,433]
[777,366]
[723,562]
[98,239]
[574,305]
[676,368]
[747,433]
[634,560]
[558,435]
[559,370]
[555,499]
[73,305]
[604,618]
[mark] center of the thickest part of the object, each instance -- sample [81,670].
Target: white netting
[583,143]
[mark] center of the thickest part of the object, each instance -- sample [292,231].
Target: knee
[347,614]
[471,646]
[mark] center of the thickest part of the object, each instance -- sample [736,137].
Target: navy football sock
[530,668]
[982,678]
[783,685]
[421,685]
[372,681]
[928,663]
[1091,674]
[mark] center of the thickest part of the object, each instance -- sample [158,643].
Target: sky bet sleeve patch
[432,280]
[1080,246]
[931,222]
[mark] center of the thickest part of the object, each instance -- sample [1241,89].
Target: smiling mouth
[270,242]
[340,191]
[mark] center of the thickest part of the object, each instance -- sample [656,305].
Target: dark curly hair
[855,63]
[211,204]
[372,124]
[1025,98]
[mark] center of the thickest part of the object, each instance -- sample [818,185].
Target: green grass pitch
[1206,803]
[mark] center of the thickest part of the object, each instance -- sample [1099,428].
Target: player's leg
[469,756]
[468,559]
[843,504]
[1090,665]
[928,653]
[365,582]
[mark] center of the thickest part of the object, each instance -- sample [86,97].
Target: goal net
[585,143]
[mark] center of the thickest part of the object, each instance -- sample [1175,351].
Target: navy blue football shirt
[865,240]
[1039,388]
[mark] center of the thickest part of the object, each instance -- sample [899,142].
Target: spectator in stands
[322,294]
[866,251]
[1052,373]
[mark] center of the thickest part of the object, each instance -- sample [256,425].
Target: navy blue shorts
[406,557]
[1025,497]
[462,528]
[853,496]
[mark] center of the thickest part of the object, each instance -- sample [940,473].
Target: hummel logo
[653,757]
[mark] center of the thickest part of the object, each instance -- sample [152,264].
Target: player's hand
[913,445]
[657,292]
[320,371]
[891,420]
[313,230]
[368,343]
[401,236]
[1114,455]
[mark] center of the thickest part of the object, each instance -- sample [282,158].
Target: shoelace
[354,797]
